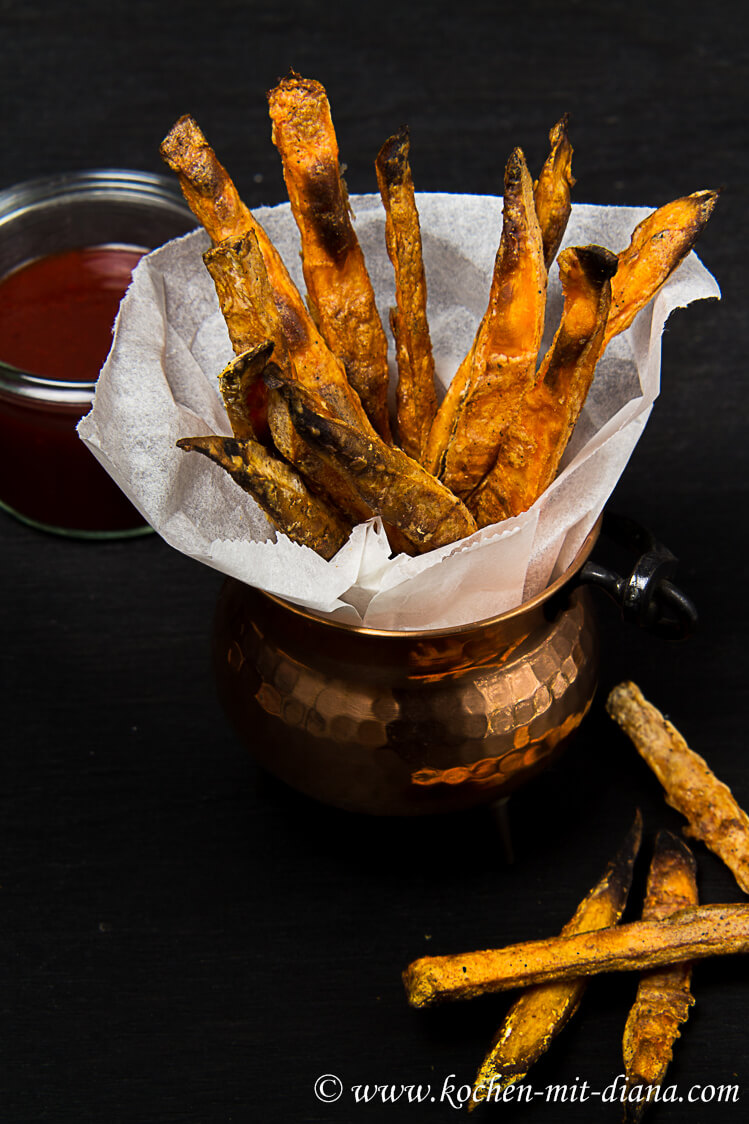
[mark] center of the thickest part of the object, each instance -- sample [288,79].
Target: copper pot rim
[510,614]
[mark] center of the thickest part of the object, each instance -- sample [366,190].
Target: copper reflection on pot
[400,723]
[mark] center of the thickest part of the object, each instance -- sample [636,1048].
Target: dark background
[184,939]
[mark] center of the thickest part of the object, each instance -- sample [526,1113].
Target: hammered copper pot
[402,723]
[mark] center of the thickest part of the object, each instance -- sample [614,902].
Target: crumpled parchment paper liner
[160,383]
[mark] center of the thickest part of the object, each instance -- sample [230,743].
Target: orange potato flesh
[542,1012]
[552,190]
[415,395]
[663,996]
[338,285]
[530,452]
[489,385]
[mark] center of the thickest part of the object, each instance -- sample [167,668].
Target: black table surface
[183,937]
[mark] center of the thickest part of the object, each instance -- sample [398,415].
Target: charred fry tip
[392,158]
[272,377]
[210,444]
[306,411]
[708,198]
[238,245]
[184,130]
[598,263]
[668,843]
[294,81]
[558,133]
[253,361]
[624,860]
[261,351]
[514,169]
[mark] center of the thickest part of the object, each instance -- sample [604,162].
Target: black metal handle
[648,597]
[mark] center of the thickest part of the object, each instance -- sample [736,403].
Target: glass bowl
[47,476]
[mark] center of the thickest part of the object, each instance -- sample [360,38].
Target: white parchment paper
[160,383]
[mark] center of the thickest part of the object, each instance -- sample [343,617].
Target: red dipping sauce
[56,319]
[68,243]
[56,314]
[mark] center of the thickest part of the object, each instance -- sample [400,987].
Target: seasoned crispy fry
[658,245]
[395,486]
[238,269]
[319,475]
[690,934]
[663,997]
[244,295]
[529,455]
[244,392]
[541,1012]
[337,281]
[689,784]
[305,518]
[551,191]
[416,396]
[486,392]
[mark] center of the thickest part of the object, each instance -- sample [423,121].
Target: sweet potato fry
[664,996]
[252,314]
[529,455]
[690,934]
[500,368]
[690,786]
[659,243]
[552,189]
[244,392]
[542,1012]
[304,518]
[338,285]
[396,487]
[415,395]
[205,183]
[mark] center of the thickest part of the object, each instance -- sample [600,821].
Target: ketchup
[56,313]
[56,318]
